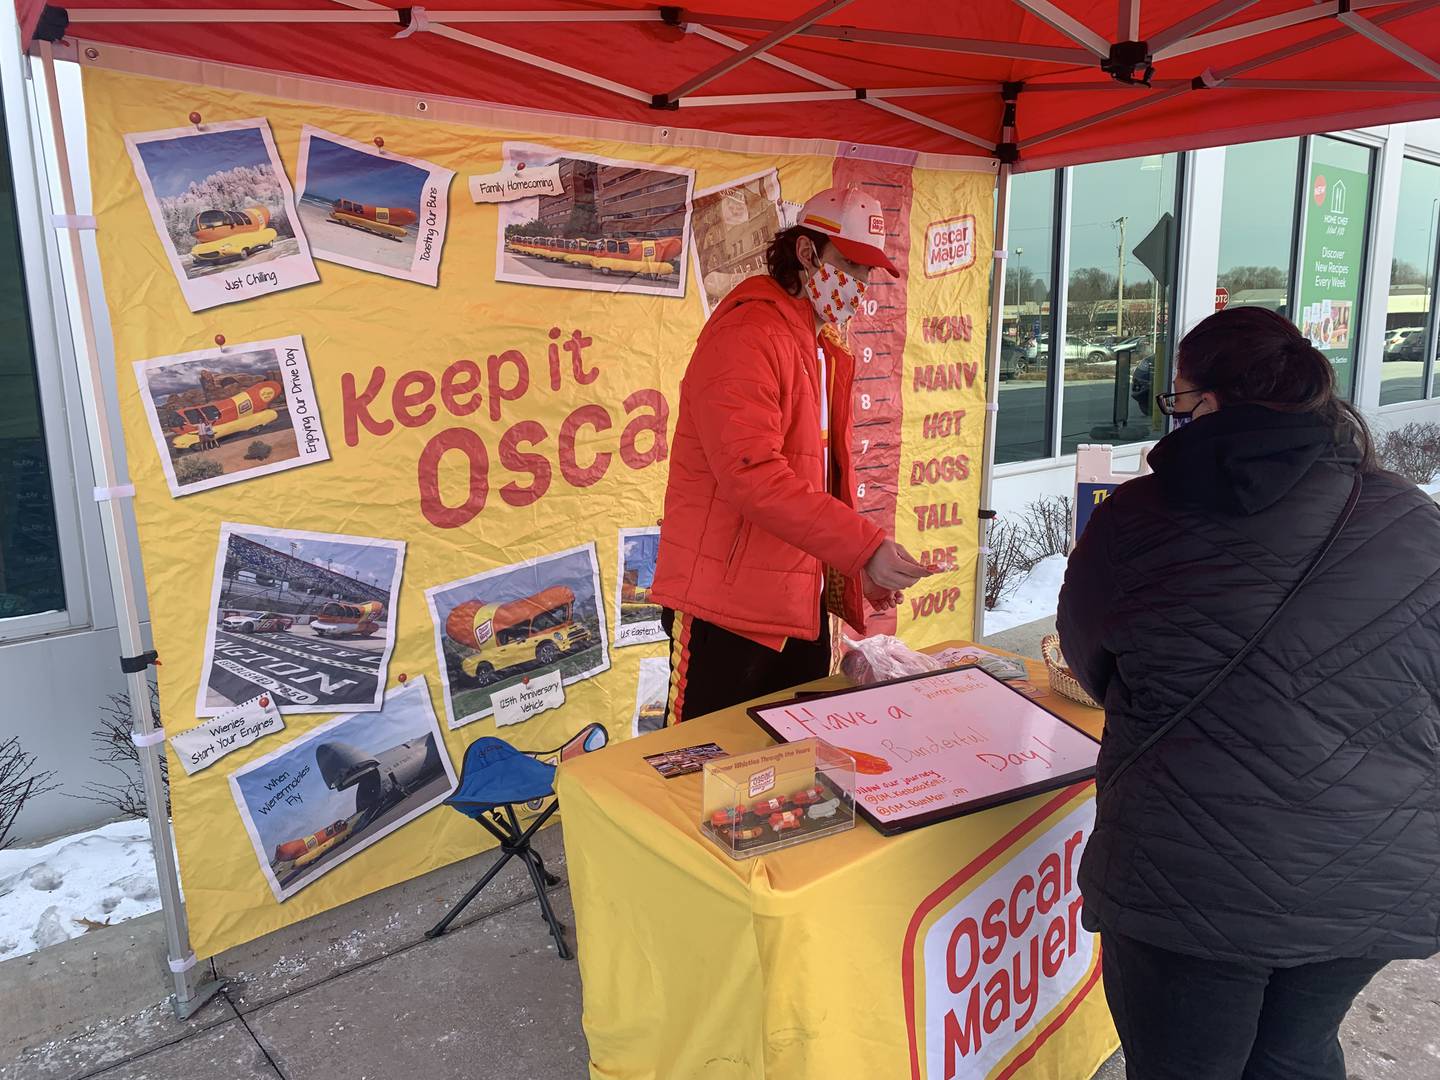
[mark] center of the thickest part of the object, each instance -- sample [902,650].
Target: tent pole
[188,995]
[992,389]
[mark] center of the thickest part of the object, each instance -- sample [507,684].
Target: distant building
[639,202]
[578,180]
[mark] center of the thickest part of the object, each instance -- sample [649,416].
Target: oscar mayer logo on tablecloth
[995,959]
[949,245]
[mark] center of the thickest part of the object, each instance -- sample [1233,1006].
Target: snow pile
[56,892]
[1036,597]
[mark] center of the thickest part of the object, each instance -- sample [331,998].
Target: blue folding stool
[493,779]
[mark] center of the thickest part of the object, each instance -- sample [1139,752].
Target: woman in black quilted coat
[1254,866]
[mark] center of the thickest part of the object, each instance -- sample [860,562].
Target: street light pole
[1120,278]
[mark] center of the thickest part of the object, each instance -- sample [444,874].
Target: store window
[1332,259]
[1412,284]
[1257,225]
[30,573]
[1023,427]
[1119,300]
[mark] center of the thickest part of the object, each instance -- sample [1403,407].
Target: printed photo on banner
[223,415]
[306,617]
[617,226]
[637,620]
[224,210]
[365,207]
[652,691]
[324,797]
[732,225]
[510,640]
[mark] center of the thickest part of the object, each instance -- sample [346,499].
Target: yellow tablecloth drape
[952,951]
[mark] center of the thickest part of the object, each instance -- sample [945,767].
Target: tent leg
[992,390]
[189,995]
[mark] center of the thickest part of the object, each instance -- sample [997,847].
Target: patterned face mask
[834,294]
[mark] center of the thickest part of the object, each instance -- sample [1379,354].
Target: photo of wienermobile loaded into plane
[320,799]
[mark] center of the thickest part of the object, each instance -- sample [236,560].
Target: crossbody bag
[1235,661]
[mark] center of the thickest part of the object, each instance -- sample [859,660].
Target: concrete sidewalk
[360,993]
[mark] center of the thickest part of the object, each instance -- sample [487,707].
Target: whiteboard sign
[938,745]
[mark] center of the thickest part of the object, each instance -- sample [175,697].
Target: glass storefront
[1022,430]
[30,574]
[1257,225]
[1119,300]
[1412,285]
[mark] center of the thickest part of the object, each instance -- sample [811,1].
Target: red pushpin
[220,340]
[402,677]
[379,142]
[195,118]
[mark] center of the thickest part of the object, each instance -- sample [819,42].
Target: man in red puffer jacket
[758,504]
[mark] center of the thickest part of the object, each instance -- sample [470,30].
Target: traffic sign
[1222,297]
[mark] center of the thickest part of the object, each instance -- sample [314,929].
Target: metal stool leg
[489,876]
[556,930]
[550,879]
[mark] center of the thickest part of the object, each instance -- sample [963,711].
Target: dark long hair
[1251,355]
[782,262]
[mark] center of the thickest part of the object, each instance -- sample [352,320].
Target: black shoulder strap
[1245,650]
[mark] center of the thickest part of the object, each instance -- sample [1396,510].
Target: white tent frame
[1189,35]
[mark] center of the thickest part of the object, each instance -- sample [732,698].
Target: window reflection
[1115,356]
[1412,283]
[1023,427]
[1257,224]
[30,580]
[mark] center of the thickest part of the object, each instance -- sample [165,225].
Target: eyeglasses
[1166,402]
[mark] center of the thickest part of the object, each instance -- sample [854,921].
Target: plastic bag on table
[877,659]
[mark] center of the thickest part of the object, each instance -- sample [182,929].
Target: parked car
[1014,363]
[1085,351]
[256,622]
[1406,344]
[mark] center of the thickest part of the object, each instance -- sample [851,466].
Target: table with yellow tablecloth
[950,951]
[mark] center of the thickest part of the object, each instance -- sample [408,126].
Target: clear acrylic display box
[770,799]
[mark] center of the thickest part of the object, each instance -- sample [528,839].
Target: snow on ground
[51,893]
[1036,597]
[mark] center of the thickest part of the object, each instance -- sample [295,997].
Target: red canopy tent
[1089,79]
[1020,84]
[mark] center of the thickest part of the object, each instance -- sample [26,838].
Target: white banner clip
[119,491]
[418,21]
[154,738]
[179,967]
[73,221]
[1001,254]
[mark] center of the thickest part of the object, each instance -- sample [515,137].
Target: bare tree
[1413,451]
[1041,530]
[118,751]
[19,782]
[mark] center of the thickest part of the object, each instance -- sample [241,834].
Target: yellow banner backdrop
[411,499]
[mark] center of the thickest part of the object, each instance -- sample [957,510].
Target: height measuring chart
[877,338]
[938,745]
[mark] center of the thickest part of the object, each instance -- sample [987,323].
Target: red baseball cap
[852,221]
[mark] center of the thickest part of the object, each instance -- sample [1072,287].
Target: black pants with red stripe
[712,668]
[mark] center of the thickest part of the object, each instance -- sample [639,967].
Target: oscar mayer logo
[995,959]
[484,631]
[949,245]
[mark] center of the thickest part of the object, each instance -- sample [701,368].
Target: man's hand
[891,569]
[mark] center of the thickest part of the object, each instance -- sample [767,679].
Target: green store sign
[1333,253]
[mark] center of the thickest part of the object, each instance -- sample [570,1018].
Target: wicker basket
[1061,680]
